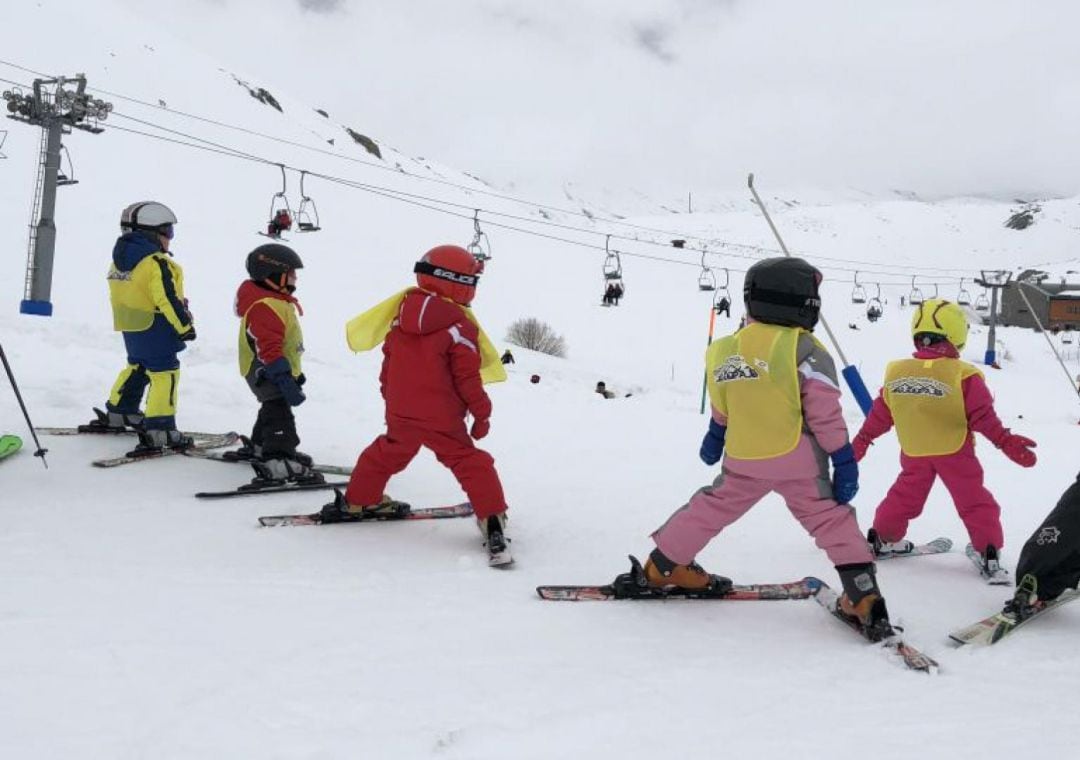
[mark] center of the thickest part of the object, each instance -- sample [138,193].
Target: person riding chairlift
[282,222]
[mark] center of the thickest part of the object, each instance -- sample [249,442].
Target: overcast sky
[935,96]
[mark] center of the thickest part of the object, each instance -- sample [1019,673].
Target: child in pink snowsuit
[776,405]
[937,403]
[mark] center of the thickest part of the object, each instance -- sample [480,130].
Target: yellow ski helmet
[937,316]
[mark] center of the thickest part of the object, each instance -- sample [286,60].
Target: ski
[218,440]
[9,444]
[223,456]
[999,576]
[991,630]
[256,490]
[911,657]
[421,513]
[937,546]
[632,586]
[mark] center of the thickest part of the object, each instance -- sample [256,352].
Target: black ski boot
[155,441]
[276,471]
[1025,601]
[112,422]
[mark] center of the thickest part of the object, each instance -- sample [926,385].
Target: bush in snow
[531,333]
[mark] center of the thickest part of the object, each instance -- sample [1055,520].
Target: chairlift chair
[480,247]
[858,293]
[612,263]
[279,202]
[706,281]
[67,178]
[915,297]
[874,306]
[982,303]
[307,215]
[963,297]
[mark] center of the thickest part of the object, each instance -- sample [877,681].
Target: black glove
[301,379]
[189,335]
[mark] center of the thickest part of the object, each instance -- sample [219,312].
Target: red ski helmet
[450,271]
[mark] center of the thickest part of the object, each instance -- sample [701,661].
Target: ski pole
[851,374]
[708,342]
[26,415]
[1035,316]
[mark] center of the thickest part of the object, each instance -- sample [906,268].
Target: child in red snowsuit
[937,403]
[430,380]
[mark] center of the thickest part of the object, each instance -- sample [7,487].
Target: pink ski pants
[963,477]
[715,507]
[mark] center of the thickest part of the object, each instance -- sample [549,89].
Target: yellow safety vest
[137,296]
[366,331]
[753,381]
[926,399]
[294,337]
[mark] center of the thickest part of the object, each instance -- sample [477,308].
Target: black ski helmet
[272,261]
[783,291]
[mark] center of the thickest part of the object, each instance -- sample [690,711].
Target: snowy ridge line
[403,197]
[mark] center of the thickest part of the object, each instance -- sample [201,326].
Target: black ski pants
[275,425]
[1052,554]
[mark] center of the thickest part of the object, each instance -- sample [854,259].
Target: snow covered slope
[138,622]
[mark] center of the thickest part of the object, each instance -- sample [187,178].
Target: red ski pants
[391,453]
[963,477]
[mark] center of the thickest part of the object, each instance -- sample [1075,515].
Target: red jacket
[265,330]
[431,364]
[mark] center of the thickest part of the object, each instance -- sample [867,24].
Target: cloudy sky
[934,96]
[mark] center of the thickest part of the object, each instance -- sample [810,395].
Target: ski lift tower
[994,281]
[58,106]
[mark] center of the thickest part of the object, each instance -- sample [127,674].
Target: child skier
[937,403]
[776,408]
[435,359]
[270,346]
[146,289]
[1050,560]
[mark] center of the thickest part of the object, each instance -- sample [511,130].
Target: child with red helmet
[435,361]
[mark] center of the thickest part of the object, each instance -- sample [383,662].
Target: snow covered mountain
[137,622]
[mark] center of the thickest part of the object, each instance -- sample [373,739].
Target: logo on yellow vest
[919,386]
[735,368]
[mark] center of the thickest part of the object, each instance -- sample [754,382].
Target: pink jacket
[824,429]
[978,406]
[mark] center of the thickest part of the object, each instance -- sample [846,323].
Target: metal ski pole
[1034,314]
[26,415]
[851,373]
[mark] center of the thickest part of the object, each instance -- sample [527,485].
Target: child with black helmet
[270,348]
[776,410]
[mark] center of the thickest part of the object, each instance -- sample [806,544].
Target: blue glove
[712,445]
[280,373]
[845,474]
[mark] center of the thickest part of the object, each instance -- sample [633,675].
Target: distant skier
[1050,560]
[435,361]
[601,388]
[723,306]
[937,402]
[270,345]
[873,313]
[776,409]
[146,288]
[609,295]
[616,294]
[507,357]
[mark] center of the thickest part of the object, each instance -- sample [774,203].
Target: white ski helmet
[147,215]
